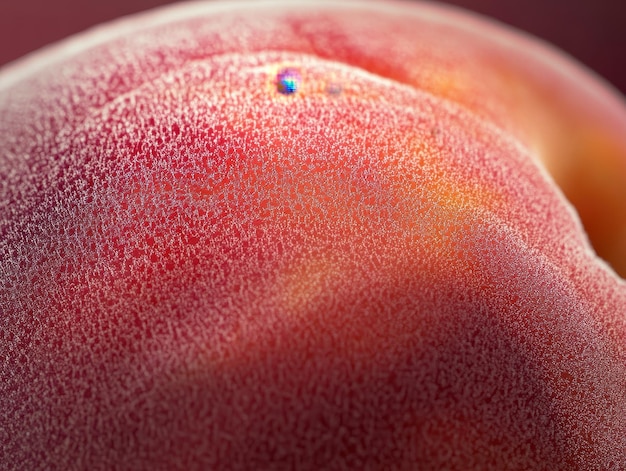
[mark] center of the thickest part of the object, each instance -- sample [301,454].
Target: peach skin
[314,236]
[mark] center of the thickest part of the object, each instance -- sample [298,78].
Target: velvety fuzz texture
[310,236]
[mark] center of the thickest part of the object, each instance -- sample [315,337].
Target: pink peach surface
[197,272]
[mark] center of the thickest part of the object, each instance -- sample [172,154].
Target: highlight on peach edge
[311,235]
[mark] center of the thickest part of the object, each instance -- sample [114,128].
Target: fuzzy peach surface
[197,272]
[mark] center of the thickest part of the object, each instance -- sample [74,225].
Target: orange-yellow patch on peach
[305,280]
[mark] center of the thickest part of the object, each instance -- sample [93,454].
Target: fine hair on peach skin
[311,235]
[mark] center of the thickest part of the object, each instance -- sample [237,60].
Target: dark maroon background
[594,31]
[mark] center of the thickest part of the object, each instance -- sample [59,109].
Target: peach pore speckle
[204,272]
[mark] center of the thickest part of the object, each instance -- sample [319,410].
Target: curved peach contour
[198,271]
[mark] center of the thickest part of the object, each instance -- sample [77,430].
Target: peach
[269,235]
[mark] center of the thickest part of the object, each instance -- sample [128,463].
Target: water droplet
[334,88]
[288,81]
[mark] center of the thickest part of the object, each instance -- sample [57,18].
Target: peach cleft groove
[313,235]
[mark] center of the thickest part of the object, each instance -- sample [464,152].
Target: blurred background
[593,31]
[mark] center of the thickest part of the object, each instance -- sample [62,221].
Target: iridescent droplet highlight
[334,88]
[288,81]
